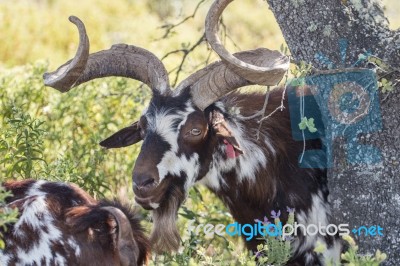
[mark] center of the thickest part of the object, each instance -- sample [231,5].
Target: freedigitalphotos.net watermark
[256,230]
[261,229]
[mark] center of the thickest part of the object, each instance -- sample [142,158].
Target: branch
[169,27]
[186,52]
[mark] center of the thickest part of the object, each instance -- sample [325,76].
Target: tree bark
[360,194]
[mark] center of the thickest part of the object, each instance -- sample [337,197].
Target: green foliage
[301,70]
[277,249]
[284,49]
[383,70]
[385,85]
[351,258]
[307,123]
[21,145]
[46,134]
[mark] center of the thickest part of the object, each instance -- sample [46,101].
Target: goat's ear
[21,204]
[124,137]
[222,130]
[122,235]
[109,227]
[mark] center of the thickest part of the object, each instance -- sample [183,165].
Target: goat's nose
[142,180]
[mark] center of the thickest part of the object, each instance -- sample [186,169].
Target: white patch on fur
[37,216]
[154,205]
[270,147]
[333,253]
[186,113]
[318,214]
[72,243]
[174,165]
[220,105]
[35,189]
[211,179]
[161,123]
[4,258]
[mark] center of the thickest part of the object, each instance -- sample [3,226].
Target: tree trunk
[318,32]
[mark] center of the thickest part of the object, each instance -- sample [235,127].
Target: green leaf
[307,123]
[303,123]
[311,125]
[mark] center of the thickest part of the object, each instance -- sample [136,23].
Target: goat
[202,133]
[60,224]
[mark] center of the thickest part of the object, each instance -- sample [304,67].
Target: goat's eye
[195,132]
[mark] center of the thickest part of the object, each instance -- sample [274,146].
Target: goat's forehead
[165,118]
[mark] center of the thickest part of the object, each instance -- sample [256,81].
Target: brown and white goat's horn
[260,66]
[120,60]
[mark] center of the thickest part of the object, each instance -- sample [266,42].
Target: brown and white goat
[199,133]
[60,224]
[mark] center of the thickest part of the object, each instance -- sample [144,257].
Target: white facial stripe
[174,165]
[162,124]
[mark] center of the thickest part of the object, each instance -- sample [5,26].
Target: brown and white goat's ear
[122,235]
[108,227]
[21,204]
[124,137]
[223,131]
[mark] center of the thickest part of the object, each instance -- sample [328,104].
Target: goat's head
[60,223]
[180,127]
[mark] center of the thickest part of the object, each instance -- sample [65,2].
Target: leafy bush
[42,130]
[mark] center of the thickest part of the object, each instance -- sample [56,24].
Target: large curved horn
[217,79]
[257,74]
[260,66]
[120,60]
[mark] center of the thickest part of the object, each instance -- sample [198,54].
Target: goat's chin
[165,235]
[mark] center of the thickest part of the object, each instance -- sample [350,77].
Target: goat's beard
[165,235]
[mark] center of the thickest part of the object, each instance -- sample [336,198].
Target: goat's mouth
[151,197]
